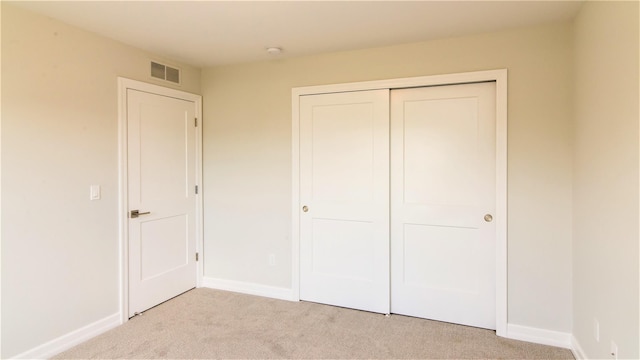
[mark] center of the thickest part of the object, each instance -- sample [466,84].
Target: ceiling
[211,33]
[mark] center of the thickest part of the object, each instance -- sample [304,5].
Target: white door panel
[440,162]
[344,182]
[442,185]
[162,253]
[161,180]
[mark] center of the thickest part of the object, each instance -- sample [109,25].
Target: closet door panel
[443,239]
[344,194]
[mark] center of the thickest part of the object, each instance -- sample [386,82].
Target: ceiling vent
[165,72]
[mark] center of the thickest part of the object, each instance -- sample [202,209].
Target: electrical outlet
[614,350]
[272,259]
[596,329]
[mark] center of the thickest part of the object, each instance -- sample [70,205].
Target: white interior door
[442,187]
[344,194]
[161,186]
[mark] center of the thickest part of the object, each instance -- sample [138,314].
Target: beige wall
[59,135]
[605,222]
[247,156]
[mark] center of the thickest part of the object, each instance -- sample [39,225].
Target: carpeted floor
[206,323]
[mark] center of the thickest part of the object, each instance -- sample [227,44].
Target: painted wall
[59,135]
[247,152]
[605,198]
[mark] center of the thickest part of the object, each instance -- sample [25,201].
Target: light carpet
[212,324]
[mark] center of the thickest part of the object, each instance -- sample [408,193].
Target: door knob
[136,213]
[488,218]
[305,208]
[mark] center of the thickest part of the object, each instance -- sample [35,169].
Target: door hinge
[196,189]
[196,121]
[196,256]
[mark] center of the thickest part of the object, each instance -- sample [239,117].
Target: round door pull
[305,208]
[488,218]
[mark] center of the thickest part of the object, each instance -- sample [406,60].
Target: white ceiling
[210,33]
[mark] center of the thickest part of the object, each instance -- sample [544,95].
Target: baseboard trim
[539,336]
[576,349]
[249,288]
[65,342]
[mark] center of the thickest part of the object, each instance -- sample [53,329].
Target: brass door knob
[305,208]
[488,218]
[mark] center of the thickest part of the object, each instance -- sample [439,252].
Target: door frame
[500,78]
[123,204]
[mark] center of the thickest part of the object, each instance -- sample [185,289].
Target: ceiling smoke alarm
[274,51]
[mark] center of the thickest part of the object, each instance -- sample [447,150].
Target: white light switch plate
[94,192]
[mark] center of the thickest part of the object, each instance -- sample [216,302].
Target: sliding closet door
[443,238]
[344,197]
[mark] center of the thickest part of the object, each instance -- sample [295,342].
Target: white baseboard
[249,288]
[71,339]
[539,336]
[576,349]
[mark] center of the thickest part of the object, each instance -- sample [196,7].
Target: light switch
[94,193]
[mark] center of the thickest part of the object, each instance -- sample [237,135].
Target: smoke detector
[274,50]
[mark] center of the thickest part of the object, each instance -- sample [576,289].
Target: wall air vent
[165,72]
